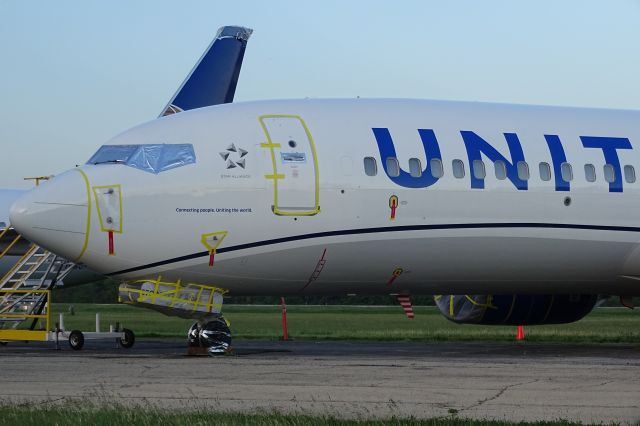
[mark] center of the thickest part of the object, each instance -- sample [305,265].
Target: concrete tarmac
[529,381]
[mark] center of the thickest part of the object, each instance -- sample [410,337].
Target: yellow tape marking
[220,234]
[88,230]
[95,192]
[274,176]
[271,145]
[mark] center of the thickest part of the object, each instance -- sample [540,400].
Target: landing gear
[212,335]
[193,336]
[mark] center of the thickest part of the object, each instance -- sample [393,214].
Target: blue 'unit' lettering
[609,146]
[557,157]
[476,145]
[387,149]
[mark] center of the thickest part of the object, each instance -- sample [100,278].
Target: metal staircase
[25,288]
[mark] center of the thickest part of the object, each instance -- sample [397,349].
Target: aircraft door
[294,165]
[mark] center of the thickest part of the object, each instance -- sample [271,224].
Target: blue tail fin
[214,78]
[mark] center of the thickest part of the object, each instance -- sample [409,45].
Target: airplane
[212,80]
[515,214]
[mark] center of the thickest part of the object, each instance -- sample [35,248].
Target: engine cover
[515,309]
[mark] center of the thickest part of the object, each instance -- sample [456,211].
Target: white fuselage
[307,219]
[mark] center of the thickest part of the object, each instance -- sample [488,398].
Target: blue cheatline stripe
[378,231]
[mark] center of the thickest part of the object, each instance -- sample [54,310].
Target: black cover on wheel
[216,336]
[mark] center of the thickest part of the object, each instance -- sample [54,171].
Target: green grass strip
[603,325]
[75,415]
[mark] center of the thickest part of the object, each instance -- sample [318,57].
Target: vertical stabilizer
[214,78]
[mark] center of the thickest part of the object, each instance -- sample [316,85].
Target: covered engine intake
[515,309]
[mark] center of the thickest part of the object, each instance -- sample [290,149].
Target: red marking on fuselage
[396,273]
[393,205]
[111,248]
[316,272]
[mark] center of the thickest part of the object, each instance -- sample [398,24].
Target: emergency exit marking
[393,205]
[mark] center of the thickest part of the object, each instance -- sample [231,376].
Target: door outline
[275,176]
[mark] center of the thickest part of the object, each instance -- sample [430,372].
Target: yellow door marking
[275,176]
[88,230]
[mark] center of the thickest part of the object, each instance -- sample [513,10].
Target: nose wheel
[212,337]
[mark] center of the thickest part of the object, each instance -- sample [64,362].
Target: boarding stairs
[25,288]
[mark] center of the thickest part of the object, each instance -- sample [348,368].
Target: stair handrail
[32,249]
[12,243]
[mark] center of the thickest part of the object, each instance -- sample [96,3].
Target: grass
[72,415]
[603,325]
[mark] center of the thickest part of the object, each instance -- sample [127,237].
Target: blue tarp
[152,158]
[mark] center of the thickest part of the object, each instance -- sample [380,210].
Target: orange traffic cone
[520,333]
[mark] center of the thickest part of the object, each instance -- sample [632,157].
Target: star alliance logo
[237,152]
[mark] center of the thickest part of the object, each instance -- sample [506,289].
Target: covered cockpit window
[152,158]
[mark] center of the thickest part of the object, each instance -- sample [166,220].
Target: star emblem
[238,155]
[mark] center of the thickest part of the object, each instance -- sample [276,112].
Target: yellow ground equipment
[192,301]
[25,290]
[25,294]
[19,307]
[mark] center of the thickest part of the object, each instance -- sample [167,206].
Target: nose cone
[54,214]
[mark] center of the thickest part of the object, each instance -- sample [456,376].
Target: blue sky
[75,73]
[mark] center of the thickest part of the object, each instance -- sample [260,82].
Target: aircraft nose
[54,214]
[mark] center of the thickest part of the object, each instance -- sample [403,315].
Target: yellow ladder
[25,290]
[13,314]
[11,244]
[24,268]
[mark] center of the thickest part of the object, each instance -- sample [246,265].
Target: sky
[74,73]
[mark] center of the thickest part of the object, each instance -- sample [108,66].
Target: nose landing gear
[210,336]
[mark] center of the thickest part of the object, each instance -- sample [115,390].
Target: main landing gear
[211,336]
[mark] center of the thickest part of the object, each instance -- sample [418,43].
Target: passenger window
[370,166]
[566,171]
[393,168]
[629,174]
[501,169]
[478,169]
[545,171]
[609,173]
[415,168]
[436,168]
[458,168]
[590,172]
[523,170]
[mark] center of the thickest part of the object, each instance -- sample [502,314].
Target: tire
[216,336]
[76,340]
[128,340]
[193,336]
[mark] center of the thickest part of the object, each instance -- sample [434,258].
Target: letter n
[476,146]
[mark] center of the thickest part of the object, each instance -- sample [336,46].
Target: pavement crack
[498,394]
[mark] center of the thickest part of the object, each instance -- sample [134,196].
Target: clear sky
[75,73]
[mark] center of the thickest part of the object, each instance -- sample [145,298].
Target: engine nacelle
[515,309]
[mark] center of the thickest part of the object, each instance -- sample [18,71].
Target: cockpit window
[152,158]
